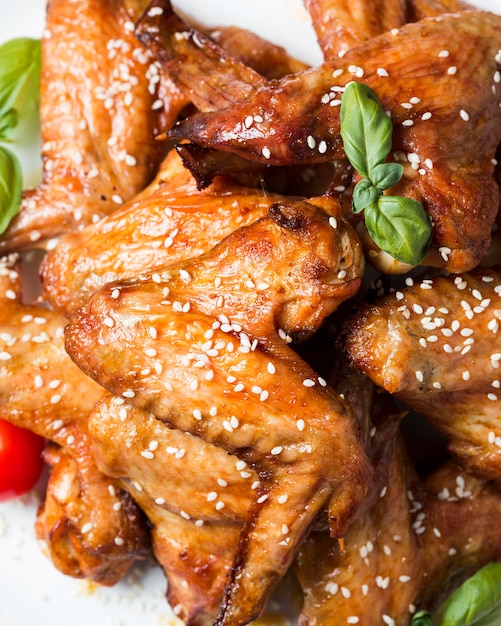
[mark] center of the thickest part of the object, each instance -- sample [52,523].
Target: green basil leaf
[19,65]
[385,175]
[400,227]
[11,186]
[365,129]
[477,602]
[8,123]
[364,194]
[422,618]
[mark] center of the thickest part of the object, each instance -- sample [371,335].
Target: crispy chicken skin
[200,347]
[42,390]
[435,345]
[192,59]
[419,9]
[195,495]
[444,101]
[411,549]
[168,222]
[342,24]
[414,539]
[103,101]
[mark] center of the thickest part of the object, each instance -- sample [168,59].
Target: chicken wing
[341,25]
[103,101]
[410,544]
[201,347]
[88,525]
[168,222]
[439,80]
[436,346]
[195,495]
[411,549]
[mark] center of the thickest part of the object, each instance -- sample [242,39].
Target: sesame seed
[266,152]
[464,115]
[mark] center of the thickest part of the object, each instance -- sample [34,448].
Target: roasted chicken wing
[439,80]
[436,346]
[168,222]
[410,550]
[202,347]
[103,101]
[195,495]
[88,525]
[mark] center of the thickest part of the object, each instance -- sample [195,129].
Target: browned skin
[440,354]
[168,222]
[191,59]
[268,59]
[419,9]
[215,324]
[344,24]
[43,391]
[412,543]
[98,124]
[414,546]
[456,185]
[195,495]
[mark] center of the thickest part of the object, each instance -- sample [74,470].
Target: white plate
[32,591]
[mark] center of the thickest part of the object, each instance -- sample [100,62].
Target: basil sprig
[19,80]
[477,602]
[399,226]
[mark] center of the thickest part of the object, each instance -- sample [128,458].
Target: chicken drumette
[88,525]
[202,347]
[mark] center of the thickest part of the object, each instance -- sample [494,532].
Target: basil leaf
[422,618]
[11,186]
[19,65]
[8,123]
[364,194]
[385,175]
[400,227]
[477,602]
[366,130]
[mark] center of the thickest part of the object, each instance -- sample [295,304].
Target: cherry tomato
[20,460]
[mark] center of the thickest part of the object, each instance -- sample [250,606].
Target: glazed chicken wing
[439,80]
[411,543]
[342,24]
[103,101]
[168,222]
[195,495]
[436,346]
[89,526]
[411,549]
[202,347]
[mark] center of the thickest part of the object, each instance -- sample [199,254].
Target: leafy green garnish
[422,618]
[11,186]
[477,602]
[19,70]
[399,226]
[19,79]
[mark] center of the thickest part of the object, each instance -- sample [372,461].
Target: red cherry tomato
[20,460]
